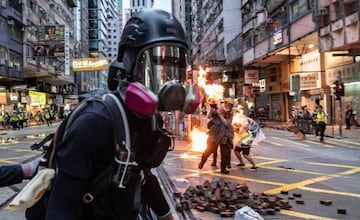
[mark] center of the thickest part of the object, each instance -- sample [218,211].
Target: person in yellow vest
[321,120]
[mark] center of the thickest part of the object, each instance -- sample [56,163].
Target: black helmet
[156,42]
[151,26]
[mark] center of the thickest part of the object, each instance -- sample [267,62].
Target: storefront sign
[37,98]
[277,37]
[262,84]
[3,98]
[310,81]
[13,97]
[90,64]
[251,76]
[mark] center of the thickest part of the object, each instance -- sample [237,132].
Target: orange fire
[213,92]
[198,140]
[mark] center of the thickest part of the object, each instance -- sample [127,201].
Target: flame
[198,140]
[213,91]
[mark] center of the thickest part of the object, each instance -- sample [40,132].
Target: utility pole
[339,91]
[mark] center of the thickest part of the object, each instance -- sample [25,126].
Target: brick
[227,214]
[341,211]
[200,208]
[326,202]
[270,211]
[177,194]
[297,195]
[284,192]
[214,210]
[300,201]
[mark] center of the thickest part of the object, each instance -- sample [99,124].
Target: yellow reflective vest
[321,117]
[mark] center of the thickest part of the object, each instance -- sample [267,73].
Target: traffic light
[339,89]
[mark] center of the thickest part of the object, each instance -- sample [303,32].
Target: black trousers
[11,174]
[321,128]
[225,150]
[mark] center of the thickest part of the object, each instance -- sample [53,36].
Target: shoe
[240,165]
[254,168]
[228,166]
[225,172]
[201,165]
[213,164]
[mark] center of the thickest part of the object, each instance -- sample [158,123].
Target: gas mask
[156,82]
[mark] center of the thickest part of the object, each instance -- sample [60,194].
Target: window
[299,8]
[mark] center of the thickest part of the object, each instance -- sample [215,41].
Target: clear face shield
[160,64]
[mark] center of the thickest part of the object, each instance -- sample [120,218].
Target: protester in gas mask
[147,77]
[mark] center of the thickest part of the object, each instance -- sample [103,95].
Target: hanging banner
[67,52]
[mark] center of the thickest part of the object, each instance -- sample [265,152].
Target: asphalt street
[307,167]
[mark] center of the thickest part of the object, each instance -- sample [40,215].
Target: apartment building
[35,51]
[296,48]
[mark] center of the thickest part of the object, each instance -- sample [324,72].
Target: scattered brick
[284,192]
[224,197]
[341,211]
[297,195]
[299,201]
[200,208]
[177,194]
[227,214]
[271,211]
[326,202]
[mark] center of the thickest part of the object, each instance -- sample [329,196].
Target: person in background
[216,132]
[314,122]
[348,116]
[48,117]
[245,130]
[321,120]
[226,144]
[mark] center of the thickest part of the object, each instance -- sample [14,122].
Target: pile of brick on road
[225,197]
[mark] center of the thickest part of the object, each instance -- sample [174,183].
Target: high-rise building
[36,50]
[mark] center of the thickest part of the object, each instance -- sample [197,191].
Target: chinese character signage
[310,81]
[49,50]
[251,76]
[277,37]
[50,33]
[90,64]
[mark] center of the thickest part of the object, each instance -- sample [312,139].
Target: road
[314,170]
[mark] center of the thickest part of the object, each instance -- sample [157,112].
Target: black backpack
[102,181]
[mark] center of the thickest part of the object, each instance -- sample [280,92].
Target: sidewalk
[332,131]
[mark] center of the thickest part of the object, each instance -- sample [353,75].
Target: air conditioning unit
[11,22]
[323,11]
[11,64]
[2,61]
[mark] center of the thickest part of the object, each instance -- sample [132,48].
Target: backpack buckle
[87,198]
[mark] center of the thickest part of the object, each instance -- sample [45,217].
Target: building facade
[298,49]
[35,54]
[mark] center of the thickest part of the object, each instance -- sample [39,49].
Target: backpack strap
[122,139]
